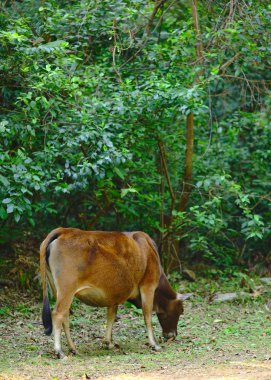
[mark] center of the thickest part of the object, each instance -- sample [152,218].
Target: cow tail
[44,258]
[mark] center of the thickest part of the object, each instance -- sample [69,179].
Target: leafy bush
[90,90]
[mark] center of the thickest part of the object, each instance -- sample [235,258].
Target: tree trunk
[171,243]
[187,178]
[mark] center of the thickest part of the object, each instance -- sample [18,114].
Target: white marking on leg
[57,324]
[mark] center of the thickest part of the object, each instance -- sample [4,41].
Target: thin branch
[264,197]
[114,49]
[145,39]
[251,90]
[232,9]
[210,124]
[175,256]
[199,46]
[187,177]
[263,81]
[101,212]
[84,151]
[158,4]
[229,62]
[164,11]
[162,153]
[162,215]
[188,162]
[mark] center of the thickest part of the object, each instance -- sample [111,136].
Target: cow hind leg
[111,316]
[147,296]
[66,326]
[60,316]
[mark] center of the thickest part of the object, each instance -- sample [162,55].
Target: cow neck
[163,294]
[165,289]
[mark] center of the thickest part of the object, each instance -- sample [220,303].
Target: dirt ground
[215,341]
[237,370]
[231,371]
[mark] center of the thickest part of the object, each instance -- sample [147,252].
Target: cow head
[168,315]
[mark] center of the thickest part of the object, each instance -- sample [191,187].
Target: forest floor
[217,340]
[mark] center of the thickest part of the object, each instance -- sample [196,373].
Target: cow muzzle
[170,335]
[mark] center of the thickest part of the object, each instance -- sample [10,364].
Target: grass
[209,335]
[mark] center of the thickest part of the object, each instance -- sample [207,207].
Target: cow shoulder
[150,255]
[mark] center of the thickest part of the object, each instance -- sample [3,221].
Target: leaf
[7,200]
[206,184]
[10,208]
[32,222]
[230,30]
[4,181]
[124,192]
[51,46]
[17,217]
[3,213]
[120,173]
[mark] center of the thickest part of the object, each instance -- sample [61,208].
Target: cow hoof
[108,345]
[61,355]
[156,348]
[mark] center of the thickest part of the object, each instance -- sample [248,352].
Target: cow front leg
[147,296]
[111,316]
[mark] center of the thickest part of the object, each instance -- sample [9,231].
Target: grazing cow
[105,269]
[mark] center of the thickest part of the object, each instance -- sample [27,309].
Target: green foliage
[87,93]
[5,311]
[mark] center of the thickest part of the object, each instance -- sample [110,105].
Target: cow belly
[94,296]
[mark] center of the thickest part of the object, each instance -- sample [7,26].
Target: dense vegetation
[133,114]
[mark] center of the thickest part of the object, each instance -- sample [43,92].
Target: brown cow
[105,269]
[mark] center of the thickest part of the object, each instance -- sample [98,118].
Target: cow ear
[183,297]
